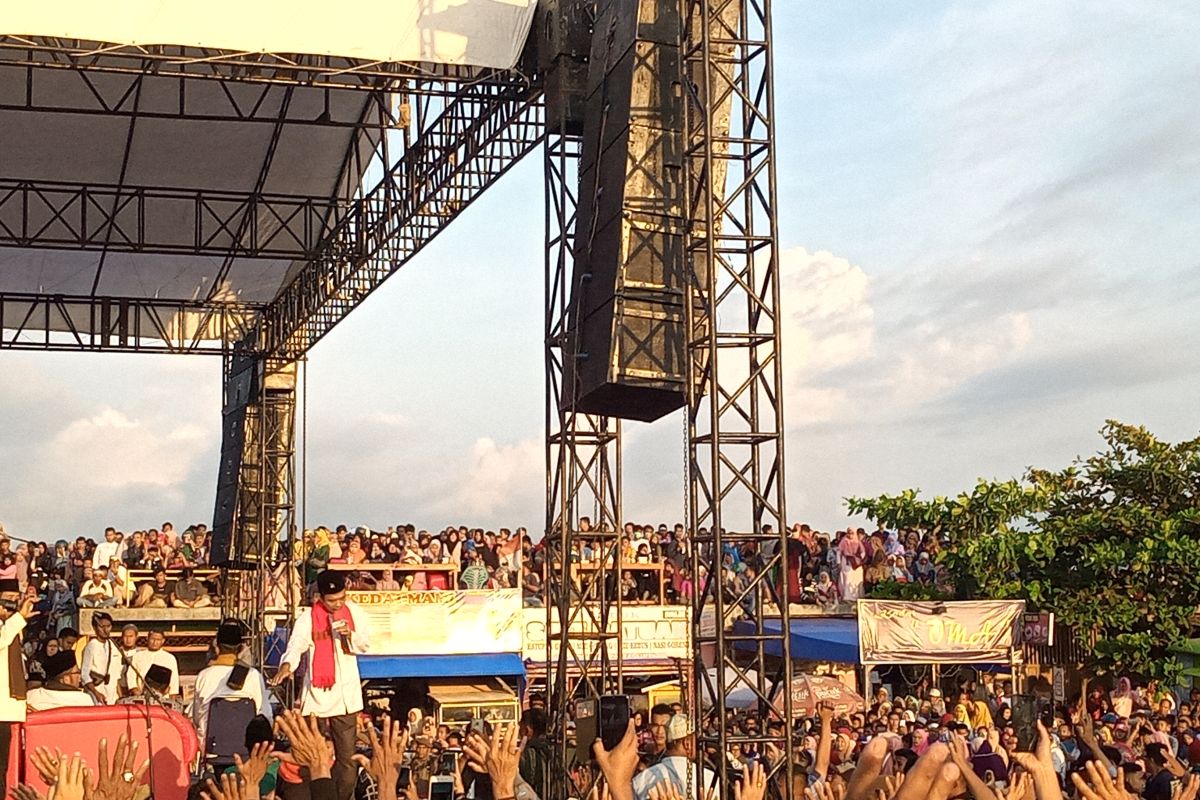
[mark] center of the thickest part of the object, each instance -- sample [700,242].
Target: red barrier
[166,736]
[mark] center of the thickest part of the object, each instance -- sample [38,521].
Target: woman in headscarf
[1122,698]
[962,714]
[986,760]
[851,558]
[924,570]
[981,715]
[318,557]
[827,591]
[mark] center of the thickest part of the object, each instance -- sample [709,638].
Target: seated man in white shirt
[676,765]
[97,592]
[154,691]
[61,689]
[155,656]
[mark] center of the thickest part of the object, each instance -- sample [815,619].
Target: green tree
[1111,544]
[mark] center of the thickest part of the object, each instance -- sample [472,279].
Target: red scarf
[324,661]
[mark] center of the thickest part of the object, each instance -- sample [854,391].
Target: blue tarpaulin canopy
[455,666]
[812,638]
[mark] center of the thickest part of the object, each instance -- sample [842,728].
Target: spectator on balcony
[97,591]
[318,557]
[154,558]
[355,554]
[475,575]
[439,579]
[106,549]
[156,594]
[189,592]
[118,576]
[135,550]
[387,583]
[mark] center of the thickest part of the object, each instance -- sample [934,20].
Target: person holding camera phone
[331,634]
[14,612]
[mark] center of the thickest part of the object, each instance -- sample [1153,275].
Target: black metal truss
[259,585]
[476,138]
[583,479]
[111,95]
[735,401]
[120,324]
[142,219]
[227,65]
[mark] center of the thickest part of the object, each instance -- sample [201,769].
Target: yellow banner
[442,622]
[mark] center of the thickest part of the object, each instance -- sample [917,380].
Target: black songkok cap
[231,632]
[331,582]
[59,664]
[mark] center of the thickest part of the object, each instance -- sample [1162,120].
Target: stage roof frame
[177,198]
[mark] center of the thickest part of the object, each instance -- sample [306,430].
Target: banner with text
[649,633]
[967,632]
[442,622]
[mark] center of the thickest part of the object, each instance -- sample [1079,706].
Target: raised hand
[619,764]
[309,747]
[231,787]
[71,781]
[118,780]
[824,790]
[1039,765]
[664,790]
[23,791]
[753,785]
[500,758]
[1099,786]
[254,768]
[387,751]
[46,764]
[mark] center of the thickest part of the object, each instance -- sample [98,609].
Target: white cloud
[495,482]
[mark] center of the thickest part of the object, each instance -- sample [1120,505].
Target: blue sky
[989,229]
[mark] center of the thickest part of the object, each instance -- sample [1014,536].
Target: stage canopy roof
[132,174]
[481,33]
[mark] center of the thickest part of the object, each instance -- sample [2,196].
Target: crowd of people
[825,569]
[822,568]
[1111,743]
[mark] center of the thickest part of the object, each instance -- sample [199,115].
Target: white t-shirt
[677,770]
[43,699]
[103,552]
[145,659]
[102,658]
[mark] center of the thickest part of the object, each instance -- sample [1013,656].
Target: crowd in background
[825,569]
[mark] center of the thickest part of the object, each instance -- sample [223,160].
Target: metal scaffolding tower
[735,402]
[583,491]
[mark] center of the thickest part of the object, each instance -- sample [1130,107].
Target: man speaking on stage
[331,634]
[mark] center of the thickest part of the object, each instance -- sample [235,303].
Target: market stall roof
[455,666]
[832,639]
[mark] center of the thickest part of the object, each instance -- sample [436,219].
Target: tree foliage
[1110,543]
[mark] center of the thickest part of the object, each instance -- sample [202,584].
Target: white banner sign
[649,633]
[966,632]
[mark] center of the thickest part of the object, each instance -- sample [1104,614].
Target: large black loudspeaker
[626,354]
[243,386]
